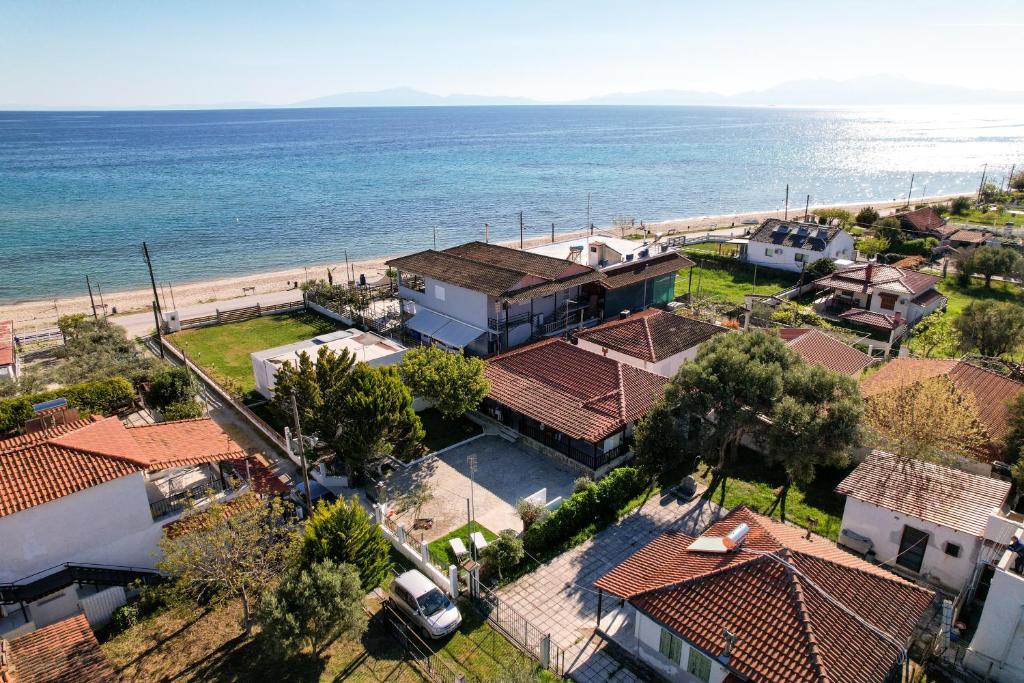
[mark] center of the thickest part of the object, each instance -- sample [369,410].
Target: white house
[922,519]
[652,340]
[83,505]
[996,651]
[751,599]
[8,355]
[366,347]
[792,245]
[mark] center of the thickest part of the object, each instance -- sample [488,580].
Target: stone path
[559,597]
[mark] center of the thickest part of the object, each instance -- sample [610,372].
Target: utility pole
[487,233]
[981,185]
[92,302]
[520,229]
[347,280]
[1009,178]
[807,210]
[103,305]
[785,216]
[911,191]
[171,288]
[589,223]
[552,233]
[471,462]
[156,299]
[302,454]
[435,238]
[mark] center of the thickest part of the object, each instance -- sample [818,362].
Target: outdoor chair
[478,541]
[459,548]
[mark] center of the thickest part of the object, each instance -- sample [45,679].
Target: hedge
[102,397]
[595,502]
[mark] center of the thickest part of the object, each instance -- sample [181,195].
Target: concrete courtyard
[504,475]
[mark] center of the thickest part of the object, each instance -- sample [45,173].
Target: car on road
[430,611]
[317,492]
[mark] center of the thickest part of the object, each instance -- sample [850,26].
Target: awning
[448,331]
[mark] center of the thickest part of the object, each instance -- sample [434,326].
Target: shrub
[822,267]
[344,532]
[504,552]
[102,397]
[960,205]
[124,617]
[582,483]
[183,410]
[867,216]
[596,502]
[530,513]
[173,385]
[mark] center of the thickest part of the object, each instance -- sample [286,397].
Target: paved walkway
[559,598]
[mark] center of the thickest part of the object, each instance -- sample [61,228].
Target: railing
[183,500]
[594,459]
[573,320]
[419,652]
[47,581]
[500,323]
[520,631]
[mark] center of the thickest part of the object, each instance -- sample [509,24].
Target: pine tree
[344,532]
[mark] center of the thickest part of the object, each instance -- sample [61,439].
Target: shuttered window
[670,646]
[699,665]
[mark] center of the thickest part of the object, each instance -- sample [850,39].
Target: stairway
[57,578]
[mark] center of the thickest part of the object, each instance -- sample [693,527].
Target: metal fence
[419,652]
[520,631]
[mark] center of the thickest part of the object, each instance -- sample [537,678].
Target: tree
[991,261]
[964,260]
[826,216]
[814,423]
[344,532]
[666,446]
[990,327]
[184,410]
[867,216]
[936,332]
[504,552]
[314,606]
[233,550]
[373,417]
[455,382]
[1017,181]
[415,497]
[317,388]
[891,230]
[822,267]
[530,513]
[1013,443]
[926,420]
[98,349]
[960,205]
[173,385]
[872,246]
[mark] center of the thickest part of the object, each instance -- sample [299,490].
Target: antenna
[786,215]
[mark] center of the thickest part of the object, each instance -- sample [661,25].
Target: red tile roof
[579,393]
[60,653]
[935,493]
[651,335]
[261,478]
[969,236]
[43,466]
[777,593]
[990,391]
[625,274]
[818,348]
[926,297]
[6,342]
[925,219]
[878,278]
[871,319]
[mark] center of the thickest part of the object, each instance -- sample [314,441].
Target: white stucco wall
[459,303]
[841,247]
[997,649]
[106,524]
[648,636]
[885,529]
[667,367]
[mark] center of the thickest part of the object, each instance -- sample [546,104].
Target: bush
[344,532]
[124,617]
[183,410]
[867,216]
[960,205]
[504,552]
[822,267]
[102,397]
[530,513]
[596,502]
[173,385]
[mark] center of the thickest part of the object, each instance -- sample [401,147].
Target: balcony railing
[500,322]
[592,457]
[171,505]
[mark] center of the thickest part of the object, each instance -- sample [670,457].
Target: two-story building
[794,246]
[8,354]
[83,506]
[752,599]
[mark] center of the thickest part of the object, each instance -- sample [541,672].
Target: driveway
[559,597]
[504,474]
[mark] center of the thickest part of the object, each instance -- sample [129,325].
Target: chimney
[730,640]
[868,272]
[623,314]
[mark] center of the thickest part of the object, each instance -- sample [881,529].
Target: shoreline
[37,314]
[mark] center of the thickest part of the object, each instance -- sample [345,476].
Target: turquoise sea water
[225,192]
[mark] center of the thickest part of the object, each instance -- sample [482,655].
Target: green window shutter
[670,647]
[699,665]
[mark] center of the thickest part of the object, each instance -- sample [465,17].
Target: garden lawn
[731,282]
[441,553]
[442,432]
[753,484]
[223,350]
[960,296]
[990,219]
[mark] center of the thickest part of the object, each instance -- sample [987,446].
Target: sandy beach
[33,315]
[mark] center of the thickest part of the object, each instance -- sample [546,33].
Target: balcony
[588,455]
[193,496]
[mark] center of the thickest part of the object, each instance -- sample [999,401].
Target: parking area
[503,474]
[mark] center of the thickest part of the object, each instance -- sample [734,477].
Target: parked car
[430,610]
[317,492]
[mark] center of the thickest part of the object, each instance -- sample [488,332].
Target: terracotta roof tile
[879,278]
[943,495]
[787,629]
[625,274]
[926,297]
[60,653]
[990,390]
[651,335]
[925,219]
[871,318]
[579,393]
[6,342]
[969,236]
[43,466]
[818,348]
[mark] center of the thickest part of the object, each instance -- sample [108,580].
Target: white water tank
[172,323]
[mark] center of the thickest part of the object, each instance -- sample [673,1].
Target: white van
[424,604]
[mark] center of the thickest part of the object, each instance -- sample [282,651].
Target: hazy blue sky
[149,52]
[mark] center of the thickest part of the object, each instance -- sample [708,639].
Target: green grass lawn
[990,219]
[960,296]
[441,553]
[731,282]
[753,484]
[224,350]
[441,433]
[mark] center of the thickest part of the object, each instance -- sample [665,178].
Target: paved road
[559,598]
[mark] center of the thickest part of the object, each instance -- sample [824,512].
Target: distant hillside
[407,97]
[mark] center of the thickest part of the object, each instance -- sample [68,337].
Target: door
[912,547]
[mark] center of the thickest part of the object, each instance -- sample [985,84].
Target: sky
[152,53]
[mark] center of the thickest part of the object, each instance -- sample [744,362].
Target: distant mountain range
[864,91]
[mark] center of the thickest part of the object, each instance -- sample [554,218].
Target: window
[887,301]
[670,647]
[952,549]
[439,292]
[699,665]
[912,546]
[768,251]
[798,257]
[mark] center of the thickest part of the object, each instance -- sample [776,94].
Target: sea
[220,193]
